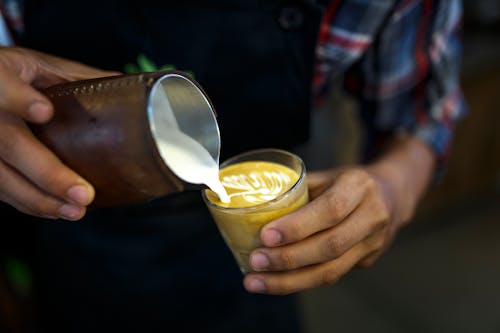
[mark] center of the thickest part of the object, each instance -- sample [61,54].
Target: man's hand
[352,218]
[32,178]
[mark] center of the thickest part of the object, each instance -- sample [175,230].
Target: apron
[163,265]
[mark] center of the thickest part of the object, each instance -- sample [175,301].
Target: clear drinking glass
[240,227]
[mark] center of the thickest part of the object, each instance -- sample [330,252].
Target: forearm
[405,169]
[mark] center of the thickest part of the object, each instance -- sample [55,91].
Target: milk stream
[186,157]
[191,162]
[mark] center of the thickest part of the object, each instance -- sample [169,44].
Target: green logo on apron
[144,64]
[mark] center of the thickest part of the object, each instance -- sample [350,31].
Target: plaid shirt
[400,58]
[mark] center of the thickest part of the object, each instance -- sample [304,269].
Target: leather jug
[107,130]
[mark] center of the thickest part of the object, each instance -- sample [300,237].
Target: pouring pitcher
[110,130]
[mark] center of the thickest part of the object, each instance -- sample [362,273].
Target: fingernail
[70,212]
[259,261]
[79,194]
[272,237]
[256,286]
[38,111]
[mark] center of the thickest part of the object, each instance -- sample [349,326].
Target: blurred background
[443,272]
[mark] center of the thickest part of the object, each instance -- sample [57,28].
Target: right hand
[32,178]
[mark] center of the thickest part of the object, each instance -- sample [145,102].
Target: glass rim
[267,203]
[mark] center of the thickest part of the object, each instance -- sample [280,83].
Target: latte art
[257,187]
[255,182]
[260,191]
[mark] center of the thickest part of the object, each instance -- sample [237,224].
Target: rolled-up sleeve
[408,81]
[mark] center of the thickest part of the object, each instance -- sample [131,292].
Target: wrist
[404,172]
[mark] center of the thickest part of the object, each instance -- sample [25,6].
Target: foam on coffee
[255,182]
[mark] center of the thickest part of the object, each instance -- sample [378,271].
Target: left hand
[353,216]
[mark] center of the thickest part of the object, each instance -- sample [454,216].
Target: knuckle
[50,180]
[367,263]
[356,175]
[376,243]
[3,176]
[40,207]
[368,183]
[47,177]
[281,286]
[380,215]
[336,205]
[20,207]
[284,290]
[383,220]
[285,259]
[296,230]
[361,178]
[23,209]
[8,144]
[330,276]
[383,214]
[8,102]
[334,246]
[382,239]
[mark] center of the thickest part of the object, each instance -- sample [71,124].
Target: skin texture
[354,214]
[33,179]
[351,220]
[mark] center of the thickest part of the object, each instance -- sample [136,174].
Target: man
[163,263]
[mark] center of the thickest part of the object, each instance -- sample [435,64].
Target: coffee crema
[254,182]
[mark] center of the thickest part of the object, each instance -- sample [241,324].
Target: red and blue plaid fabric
[401,60]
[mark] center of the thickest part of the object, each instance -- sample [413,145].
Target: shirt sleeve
[408,80]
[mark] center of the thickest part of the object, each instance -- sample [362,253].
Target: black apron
[163,264]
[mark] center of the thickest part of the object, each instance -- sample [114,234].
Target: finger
[42,70]
[52,70]
[21,69]
[324,212]
[321,247]
[318,182]
[283,283]
[21,150]
[23,100]
[27,198]
[389,235]
[370,260]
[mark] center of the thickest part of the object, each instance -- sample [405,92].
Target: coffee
[260,191]
[252,183]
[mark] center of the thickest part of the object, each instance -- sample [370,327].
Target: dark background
[443,272]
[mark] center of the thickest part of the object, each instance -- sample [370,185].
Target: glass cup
[240,227]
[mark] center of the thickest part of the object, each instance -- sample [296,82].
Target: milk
[191,162]
[185,156]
